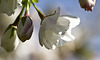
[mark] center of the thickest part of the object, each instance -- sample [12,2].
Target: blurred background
[85,47]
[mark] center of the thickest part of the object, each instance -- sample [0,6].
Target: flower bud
[8,39]
[87,4]
[25,28]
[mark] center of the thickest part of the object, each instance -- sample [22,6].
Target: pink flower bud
[87,4]
[25,28]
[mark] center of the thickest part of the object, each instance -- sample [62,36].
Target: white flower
[55,30]
[9,40]
[87,4]
[8,6]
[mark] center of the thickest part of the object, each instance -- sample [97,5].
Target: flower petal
[53,18]
[55,31]
[47,24]
[74,21]
[62,25]
[8,6]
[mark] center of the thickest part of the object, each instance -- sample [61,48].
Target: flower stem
[18,17]
[27,9]
[42,16]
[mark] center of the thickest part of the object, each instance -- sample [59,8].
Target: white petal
[19,2]
[61,42]
[67,37]
[41,34]
[74,21]
[47,24]
[8,6]
[62,25]
[48,36]
[46,44]
[52,19]
[55,31]
[52,40]
[92,1]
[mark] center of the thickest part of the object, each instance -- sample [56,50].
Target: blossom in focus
[9,40]
[25,28]
[55,30]
[87,4]
[8,6]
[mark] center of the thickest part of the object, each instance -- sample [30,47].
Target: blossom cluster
[55,30]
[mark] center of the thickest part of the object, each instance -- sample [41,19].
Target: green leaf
[36,1]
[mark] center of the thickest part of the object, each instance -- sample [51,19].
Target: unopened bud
[8,39]
[25,28]
[87,4]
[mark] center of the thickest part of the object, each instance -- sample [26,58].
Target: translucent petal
[55,31]
[47,24]
[74,21]
[8,6]
[62,25]
[49,21]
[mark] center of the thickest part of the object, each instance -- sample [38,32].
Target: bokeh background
[85,47]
